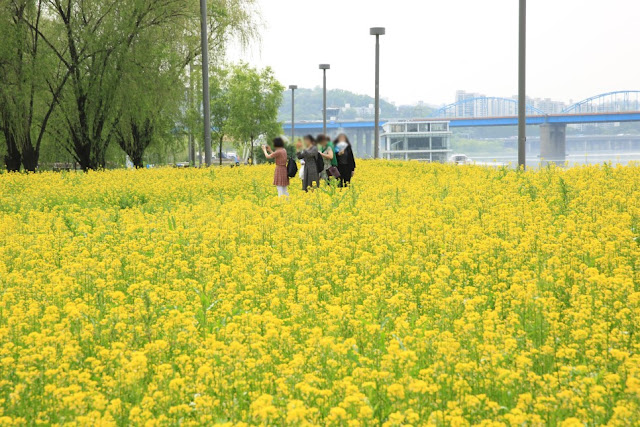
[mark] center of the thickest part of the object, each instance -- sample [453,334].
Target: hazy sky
[576,48]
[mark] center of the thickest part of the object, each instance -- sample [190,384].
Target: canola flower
[424,295]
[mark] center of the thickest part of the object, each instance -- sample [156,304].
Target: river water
[573,159]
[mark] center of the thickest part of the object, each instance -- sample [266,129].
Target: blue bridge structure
[611,107]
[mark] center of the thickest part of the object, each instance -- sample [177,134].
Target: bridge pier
[553,143]
[355,139]
[368,138]
[362,139]
[361,150]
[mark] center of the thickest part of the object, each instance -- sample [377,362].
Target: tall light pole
[192,144]
[220,152]
[377,31]
[293,112]
[324,68]
[205,82]
[522,88]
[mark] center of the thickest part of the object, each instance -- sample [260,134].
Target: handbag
[292,168]
[319,163]
[333,172]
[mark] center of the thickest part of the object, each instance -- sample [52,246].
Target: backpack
[319,163]
[292,168]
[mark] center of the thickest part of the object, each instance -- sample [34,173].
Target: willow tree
[153,87]
[92,39]
[149,94]
[31,82]
[88,72]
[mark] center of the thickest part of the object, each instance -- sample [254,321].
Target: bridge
[611,107]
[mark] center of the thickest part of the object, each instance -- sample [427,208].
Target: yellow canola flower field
[424,295]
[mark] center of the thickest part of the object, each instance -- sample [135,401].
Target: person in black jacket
[346,159]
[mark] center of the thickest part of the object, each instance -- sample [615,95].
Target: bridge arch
[610,102]
[483,107]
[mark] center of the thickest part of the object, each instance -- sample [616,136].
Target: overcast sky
[576,48]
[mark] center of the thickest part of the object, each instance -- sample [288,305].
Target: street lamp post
[293,112]
[377,31]
[205,82]
[324,68]
[522,89]
[192,144]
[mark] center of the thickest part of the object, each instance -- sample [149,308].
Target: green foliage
[255,97]
[119,57]
[82,75]
[243,106]
[31,83]
[154,77]
[220,104]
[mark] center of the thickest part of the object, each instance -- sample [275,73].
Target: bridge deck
[583,118]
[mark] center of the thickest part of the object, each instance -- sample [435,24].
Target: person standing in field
[309,155]
[280,177]
[346,159]
[325,147]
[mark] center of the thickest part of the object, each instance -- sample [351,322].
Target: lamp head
[325,66]
[293,87]
[377,31]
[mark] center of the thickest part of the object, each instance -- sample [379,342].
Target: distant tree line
[80,79]
[309,106]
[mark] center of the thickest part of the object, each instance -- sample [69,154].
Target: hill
[352,106]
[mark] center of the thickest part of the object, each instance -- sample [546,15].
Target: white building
[416,140]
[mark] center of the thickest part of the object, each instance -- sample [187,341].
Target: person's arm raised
[267,152]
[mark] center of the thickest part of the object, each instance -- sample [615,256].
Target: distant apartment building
[484,106]
[466,109]
[549,106]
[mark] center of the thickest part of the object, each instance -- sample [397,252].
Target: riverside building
[427,141]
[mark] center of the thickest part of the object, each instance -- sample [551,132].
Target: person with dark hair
[346,159]
[309,155]
[325,147]
[280,177]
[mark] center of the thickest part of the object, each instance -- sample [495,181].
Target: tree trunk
[29,157]
[137,161]
[252,150]
[12,159]
[220,150]
[99,158]
[83,154]
[142,135]
[91,154]
[135,140]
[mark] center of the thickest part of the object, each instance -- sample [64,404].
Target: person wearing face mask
[346,159]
